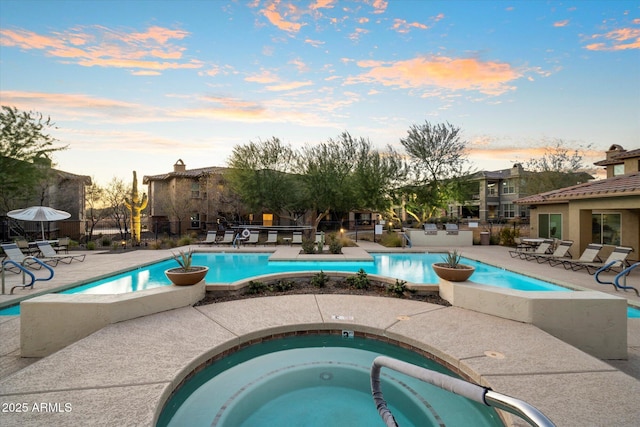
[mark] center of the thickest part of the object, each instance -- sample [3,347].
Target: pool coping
[129,367]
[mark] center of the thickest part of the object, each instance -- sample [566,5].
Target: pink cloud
[488,77]
[619,39]
[561,23]
[402,26]
[101,46]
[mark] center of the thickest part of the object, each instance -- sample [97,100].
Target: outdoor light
[124,244]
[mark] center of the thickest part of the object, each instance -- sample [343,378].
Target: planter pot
[186,278]
[460,274]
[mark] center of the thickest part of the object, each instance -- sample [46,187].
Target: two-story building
[606,211]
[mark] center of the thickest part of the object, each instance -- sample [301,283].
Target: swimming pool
[315,380]
[229,267]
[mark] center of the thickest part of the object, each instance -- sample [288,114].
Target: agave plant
[452,259]
[184,259]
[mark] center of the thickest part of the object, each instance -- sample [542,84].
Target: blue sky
[136,85]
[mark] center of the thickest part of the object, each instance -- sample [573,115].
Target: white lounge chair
[211,238]
[542,249]
[558,256]
[227,239]
[253,238]
[297,238]
[590,254]
[617,261]
[13,253]
[272,237]
[49,253]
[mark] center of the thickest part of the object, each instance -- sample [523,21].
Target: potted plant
[186,274]
[451,269]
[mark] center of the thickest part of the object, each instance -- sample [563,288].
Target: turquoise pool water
[225,268]
[319,380]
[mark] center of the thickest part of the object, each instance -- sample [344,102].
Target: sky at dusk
[137,85]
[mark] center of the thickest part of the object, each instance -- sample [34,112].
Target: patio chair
[272,237]
[430,229]
[253,238]
[63,245]
[542,249]
[13,253]
[617,261]
[558,256]
[522,245]
[297,238]
[590,254]
[211,238]
[227,239]
[25,247]
[49,253]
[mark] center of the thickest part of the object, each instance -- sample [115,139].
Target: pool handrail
[624,273]
[24,270]
[460,387]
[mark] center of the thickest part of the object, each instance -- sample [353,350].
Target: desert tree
[25,154]
[437,157]
[559,166]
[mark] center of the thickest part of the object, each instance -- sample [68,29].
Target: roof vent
[179,166]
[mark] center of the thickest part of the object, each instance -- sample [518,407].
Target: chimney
[179,166]
[614,150]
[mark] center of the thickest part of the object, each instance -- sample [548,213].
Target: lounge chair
[590,254]
[542,249]
[253,238]
[25,247]
[13,253]
[522,245]
[211,238]
[49,253]
[227,239]
[617,261]
[297,238]
[430,229]
[63,245]
[272,237]
[558,256]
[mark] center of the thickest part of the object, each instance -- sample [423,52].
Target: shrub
[185,241]
[156,245]
[284,285]
[256,287]
[451,259]
[91,245]
[359,280]
[399,288]
[391,240]
[335,247]
[508,236]
[308,246]
[105,241]
[320,280]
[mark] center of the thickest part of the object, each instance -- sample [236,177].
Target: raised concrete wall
[419,238]
[592,321]
[53,321]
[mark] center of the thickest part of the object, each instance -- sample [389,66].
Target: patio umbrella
[39,213]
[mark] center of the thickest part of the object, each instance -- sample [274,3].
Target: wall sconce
[124,244]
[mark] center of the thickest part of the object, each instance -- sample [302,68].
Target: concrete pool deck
[122,374]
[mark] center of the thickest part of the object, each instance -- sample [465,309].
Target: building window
[195,190]
[509,186]
[509,210]
[195,220]
[606,228]
[618,170]
[550,226]
[267,219]
[491,189]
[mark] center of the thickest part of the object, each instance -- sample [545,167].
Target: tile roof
[618,186]
[619,157]
[190,173]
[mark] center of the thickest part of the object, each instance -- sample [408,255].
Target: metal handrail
[471,391]
[24,270]
[625,273]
